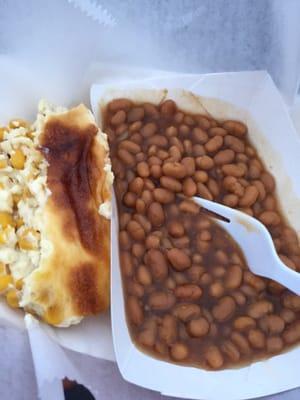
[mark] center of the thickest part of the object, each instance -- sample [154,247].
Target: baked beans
[190,297]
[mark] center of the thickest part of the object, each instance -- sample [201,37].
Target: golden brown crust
[73,280]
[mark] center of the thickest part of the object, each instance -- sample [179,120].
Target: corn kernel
[3,130]
[2,268]
[12,298]
[6,219]
[3,164]
[16,198]
[25,243]
[53,316]
[5,280]
[30,134]
[17,159]
[1,186]
[18,123]
[19,222]
[19,284]
[3,237]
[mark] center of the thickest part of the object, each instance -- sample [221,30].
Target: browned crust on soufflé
[75,275]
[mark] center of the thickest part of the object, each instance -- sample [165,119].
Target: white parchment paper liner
[253,98]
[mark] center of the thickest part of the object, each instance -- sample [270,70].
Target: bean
[236,128]
[168,331]
[155,171]
[130,146]
[136,138]
[221,257]
[244,323]
[158,140]
[198,327]
[203,191]
[292,301]
[186,311]
[149,129]
[224,157]
[272,324]
[189,164]
[118,118]
[184,131]
[230,200]
[219,271]
[189,187]
[176,229]
[171,131]
[257,339]
[119,104]
[274,344]
[161,300]
[213,187]
[288,315]
[143,276]
[126,157]
[214,144]
[171,184]
[124,240]
[234,277]
[147,197]
[230,350]
[199,135]
[241,342]
[234,143]
[179,260]
[138,250]
[268,181]
[148,333]
[163,196]
[214,357]
[151,110]
[205,162]
[224,309]
[179,351]
[200,176]
[198,150]
[231,184]
[136,185]
[126,263]
[194,273]
[250,196]
[260,308]
[168,107]
[269,218]
[135,230]
[292,333]
[135,311]
[174,169]
[254,281]
[174,141]
[261,190]
[217,131]
[121,129]
[188,292]
[216,289]
[188,206]
[135,126]
[143,169]
[233,170]
[135,114]
[175,153]
[157,263]
[135,289]
[152,242]
[202,121]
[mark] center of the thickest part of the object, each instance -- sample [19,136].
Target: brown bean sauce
[190,297]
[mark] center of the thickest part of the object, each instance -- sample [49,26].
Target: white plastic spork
[256,243]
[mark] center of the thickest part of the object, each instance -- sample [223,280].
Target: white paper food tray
[253,98]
